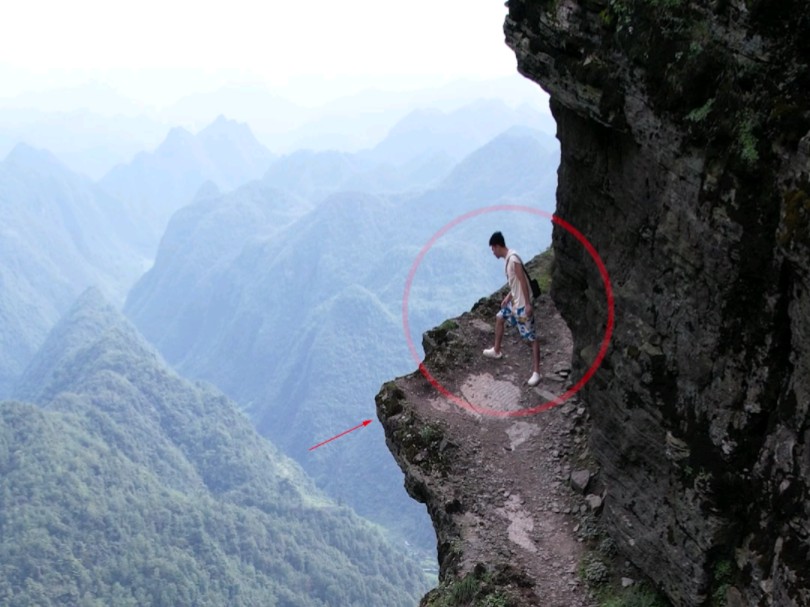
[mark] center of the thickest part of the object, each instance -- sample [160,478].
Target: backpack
[533,284]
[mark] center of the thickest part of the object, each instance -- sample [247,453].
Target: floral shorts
[524,324]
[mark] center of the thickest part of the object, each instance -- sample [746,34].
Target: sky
[157,51]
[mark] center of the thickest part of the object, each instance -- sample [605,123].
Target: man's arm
[506,300]
[508,297]
[524,285]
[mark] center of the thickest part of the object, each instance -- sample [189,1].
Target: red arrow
[357,427]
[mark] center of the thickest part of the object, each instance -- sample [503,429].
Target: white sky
[166,48]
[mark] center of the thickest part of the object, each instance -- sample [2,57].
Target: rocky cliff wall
[685,138]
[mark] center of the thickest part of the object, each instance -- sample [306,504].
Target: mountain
[60,235]
[323,114]
[198,250]
[314,175]
[417,153]
[88,143]
[123,484]
[502,167]
[265,110]
[90,127]
[456,134]
[302,326]
[156,184]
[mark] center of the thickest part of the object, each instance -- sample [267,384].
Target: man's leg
[495,351]
[535,378]
[499,329]
[536,355]
[526,327]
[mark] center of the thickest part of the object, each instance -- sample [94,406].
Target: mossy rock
[796,224]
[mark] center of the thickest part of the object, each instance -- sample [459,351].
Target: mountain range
[61,233]
[93,128]
[278,279]
[122,483]
[300,326]
[156,184]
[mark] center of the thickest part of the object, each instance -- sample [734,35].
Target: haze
[96,82]
[156,52]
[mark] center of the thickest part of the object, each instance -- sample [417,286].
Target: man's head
[498,245]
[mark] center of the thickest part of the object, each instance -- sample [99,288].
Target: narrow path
[505,487]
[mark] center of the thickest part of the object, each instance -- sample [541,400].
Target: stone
[594,502]
[580,480]
[627,582]
[734,598]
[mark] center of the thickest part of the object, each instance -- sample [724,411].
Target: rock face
[685,138]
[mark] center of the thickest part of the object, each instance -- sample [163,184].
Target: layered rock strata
[685,139]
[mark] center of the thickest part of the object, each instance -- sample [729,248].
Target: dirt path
[505,485]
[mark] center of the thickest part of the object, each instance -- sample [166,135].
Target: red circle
[548,404]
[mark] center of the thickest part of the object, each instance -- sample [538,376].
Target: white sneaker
[491,353]
[534,379]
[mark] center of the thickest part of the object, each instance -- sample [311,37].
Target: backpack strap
[520,261]
[529,280]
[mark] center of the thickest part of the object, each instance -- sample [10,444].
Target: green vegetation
[124,484]
[594,570]
[425,445]
[723,577]
[748,141]
[542,268]
[665,4]
[700,114]
[635,596]
[475,589]
[732,103]
[448,325]
[599,570]
[430,433]
[797,217]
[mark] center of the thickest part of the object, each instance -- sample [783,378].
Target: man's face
[496,250]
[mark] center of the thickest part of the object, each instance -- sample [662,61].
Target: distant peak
[520,131]
[226,127]
[209,189]
[92,297]
[177,138]
[93,309]
[220,123]
[177,135]
[24,155]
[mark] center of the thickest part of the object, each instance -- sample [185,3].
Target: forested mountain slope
[125,484]
[60,234]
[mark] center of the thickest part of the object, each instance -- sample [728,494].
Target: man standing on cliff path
[516,307]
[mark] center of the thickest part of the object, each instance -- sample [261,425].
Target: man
[516,307]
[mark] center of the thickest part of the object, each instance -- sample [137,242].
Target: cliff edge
[495,475]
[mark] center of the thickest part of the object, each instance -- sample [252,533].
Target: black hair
[497,239]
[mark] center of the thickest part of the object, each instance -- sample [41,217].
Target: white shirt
[513,266]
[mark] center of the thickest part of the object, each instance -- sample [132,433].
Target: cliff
[685,138]
[685,159]
[493,471]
